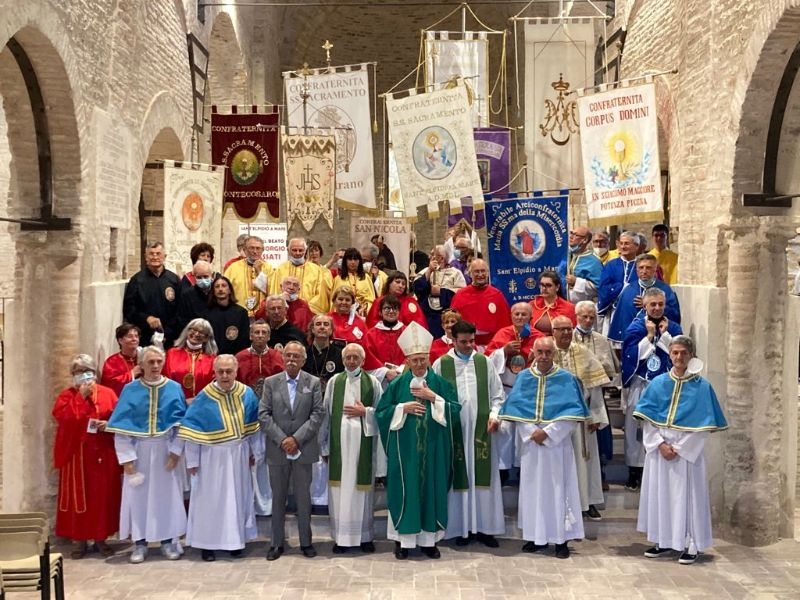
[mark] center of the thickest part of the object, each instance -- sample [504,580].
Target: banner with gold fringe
[621,168]
[434,147]
[309,169]
[192,210]
[336,101]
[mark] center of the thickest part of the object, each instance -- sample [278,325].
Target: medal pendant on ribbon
[653,363]
[188,380]
[251,303]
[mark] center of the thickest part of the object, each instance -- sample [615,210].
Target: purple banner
[493,149]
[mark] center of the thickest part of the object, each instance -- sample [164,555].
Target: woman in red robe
[380,344]
[350,329]
[549,304]
[191,361]
[410,310]
[122,368]
[90,478]
[442,345]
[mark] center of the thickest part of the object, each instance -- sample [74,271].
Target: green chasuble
[483,439]
[364,479]
[423,457]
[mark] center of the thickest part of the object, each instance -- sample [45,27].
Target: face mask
[582,330]
[367,266]
[292,297]
[339,264]
[462,356]
[600,252]
[457,253]
[204,282]
[81,378]
[525,332]
[574,249]
[297,261]
[192,346]
[250,261]
[355,372]
[647,282]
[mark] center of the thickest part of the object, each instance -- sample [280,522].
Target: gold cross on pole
[327,47]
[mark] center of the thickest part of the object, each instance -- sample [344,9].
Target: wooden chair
[26,561]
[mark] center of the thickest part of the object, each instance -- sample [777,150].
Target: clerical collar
[538,372]
[155,383]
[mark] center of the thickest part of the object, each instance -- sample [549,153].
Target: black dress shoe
[462,541]
[338,549]
[431,551]
[400,553]
[308,551]
[368,547]
[274,553]
[487,540]
[531,547]
[562,550]
[236,553]
[208,555]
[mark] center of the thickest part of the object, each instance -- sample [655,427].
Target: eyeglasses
[198,332]
[390,309]
[576,234]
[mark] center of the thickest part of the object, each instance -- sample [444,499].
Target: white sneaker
[138,555]
[169,551]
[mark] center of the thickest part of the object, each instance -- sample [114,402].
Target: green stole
[364,469]
[483,441]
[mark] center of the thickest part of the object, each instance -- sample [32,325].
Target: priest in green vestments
[420,427]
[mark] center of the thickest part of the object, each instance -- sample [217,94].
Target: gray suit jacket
[279,421]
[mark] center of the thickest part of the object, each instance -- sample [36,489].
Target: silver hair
[630,234]
[229,357]
[371,248]
[645,256]
[295,239]
[150,350]
[358,348]
[210,346]
[463,237]
[275,298]
[586,304]
[685,341]
[254,237]
[83,361]
[653,291]
[299,345]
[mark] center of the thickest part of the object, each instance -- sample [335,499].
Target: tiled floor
[609,566]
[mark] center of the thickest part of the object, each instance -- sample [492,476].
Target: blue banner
[526,236]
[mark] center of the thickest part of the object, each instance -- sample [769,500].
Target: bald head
[479,271]
[562,331]
[580,238]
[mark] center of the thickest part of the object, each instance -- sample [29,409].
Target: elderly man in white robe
[547,404]
[144,423]
[679,410]
[590,372]
[348,442]
[220,429]
[477,512]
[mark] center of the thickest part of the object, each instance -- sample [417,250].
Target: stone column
[756,496]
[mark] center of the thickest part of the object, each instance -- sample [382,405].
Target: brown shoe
[78,550]
[104,549]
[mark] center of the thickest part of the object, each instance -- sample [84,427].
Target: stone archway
[42,268]
[761,455]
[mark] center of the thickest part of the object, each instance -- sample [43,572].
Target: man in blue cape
[547,403]
[679,410]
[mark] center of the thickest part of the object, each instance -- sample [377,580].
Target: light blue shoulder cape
[688,404]
[537,398]
[148,410]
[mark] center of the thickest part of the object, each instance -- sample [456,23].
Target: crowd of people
[232,388]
